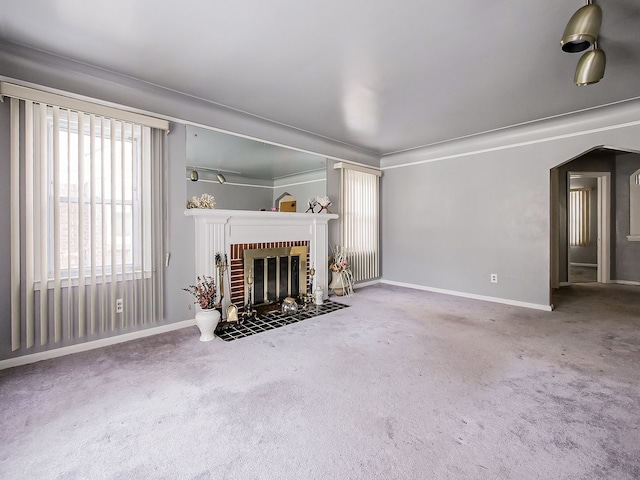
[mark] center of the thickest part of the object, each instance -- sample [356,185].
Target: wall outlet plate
[119,305]
[494,278]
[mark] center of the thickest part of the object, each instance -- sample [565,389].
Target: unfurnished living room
[317,240]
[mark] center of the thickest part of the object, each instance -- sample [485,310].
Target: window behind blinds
[579,217]
[87,230]
[359,220]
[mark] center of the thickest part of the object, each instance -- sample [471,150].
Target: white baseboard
[83,347]
[486,298]
[367,284]
[626,282]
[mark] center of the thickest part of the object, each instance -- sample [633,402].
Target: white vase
[337,285]
[207,321]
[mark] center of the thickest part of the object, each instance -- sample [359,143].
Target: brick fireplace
[234,231]
[238,270]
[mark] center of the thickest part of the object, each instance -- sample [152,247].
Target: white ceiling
[381,75]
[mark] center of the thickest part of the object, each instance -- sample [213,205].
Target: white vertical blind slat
[82,305]
[123,222]
[15,226]
[57,291]
[92,231]
[29,219]
[70,310]
[143,220]
[114,318]
[103,200]
[44,225]
[134,274]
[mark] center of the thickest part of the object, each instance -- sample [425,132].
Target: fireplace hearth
[268,320]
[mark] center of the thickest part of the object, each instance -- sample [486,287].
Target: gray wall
[587,254]
[456,212]
[233,197]
[19,64]
[627,261]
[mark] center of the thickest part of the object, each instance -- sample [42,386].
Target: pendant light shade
[193,175]
[590,68]
[582,30]
[221,178]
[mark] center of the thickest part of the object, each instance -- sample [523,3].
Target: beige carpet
[402,385]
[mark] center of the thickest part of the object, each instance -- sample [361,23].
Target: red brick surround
[236,269]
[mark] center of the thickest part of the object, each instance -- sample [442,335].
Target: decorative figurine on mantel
[312,205]
[324,203]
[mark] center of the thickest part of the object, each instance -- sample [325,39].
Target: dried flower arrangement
[203,201]
[204,292]
[339,264]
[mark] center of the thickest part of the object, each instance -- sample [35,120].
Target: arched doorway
[617,258]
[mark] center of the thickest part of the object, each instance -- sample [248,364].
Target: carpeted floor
[579,274]
[402,385]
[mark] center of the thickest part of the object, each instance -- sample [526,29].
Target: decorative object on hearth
[324,203]
[341,275]
[248,311]
[319,296]
[312,202]
[203,201]
[221,265]
[289,306]
[232,313]
[204,291]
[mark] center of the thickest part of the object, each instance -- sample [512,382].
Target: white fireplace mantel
[216,230]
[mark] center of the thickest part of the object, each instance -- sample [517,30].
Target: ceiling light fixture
[193,175]
[583,28]
[221,178]
[590,67]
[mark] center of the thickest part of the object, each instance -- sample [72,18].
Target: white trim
[626,282]
[514,145]
[514,125]
[633,238]
[260,186]
[367,284]
[103,342]
[47,98]
[591,265]
[506,301]
[357,168]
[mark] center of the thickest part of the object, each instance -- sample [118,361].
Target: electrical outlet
[494,278]
[119,305]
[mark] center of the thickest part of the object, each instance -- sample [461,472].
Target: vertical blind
[579,217]
[87,228]
[359,219]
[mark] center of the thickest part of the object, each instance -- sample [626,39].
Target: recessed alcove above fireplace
[231,232]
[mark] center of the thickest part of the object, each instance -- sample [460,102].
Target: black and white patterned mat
[275,319]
